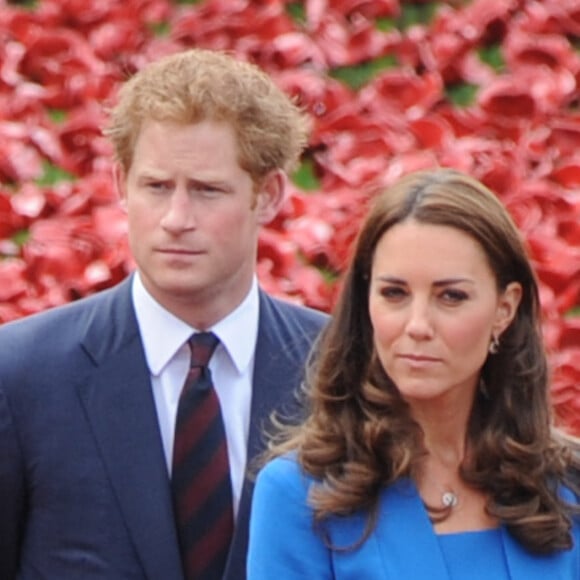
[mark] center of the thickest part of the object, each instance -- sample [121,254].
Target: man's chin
[173,286]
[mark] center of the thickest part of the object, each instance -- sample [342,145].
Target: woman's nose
[420,324]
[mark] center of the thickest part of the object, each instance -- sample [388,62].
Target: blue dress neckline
[474,554]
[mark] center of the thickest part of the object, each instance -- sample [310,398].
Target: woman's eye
[393,292]
[454,296]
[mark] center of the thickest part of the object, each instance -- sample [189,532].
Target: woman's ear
[271,196]
[507,307]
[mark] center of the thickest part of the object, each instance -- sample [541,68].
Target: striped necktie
[200,480]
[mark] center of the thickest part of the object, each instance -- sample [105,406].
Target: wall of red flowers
[491,87]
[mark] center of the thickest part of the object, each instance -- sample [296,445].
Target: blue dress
[482,550]
[285,544]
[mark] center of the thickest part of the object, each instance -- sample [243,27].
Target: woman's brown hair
[359,435]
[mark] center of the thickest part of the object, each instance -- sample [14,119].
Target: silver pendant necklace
[449,499]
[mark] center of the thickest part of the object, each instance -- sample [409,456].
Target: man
[89,392]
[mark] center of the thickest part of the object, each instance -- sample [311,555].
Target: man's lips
[179,251]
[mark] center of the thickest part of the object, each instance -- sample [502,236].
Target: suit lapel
[121,411]
[279,358]
[278,370]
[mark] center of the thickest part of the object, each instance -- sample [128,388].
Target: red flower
[554,51]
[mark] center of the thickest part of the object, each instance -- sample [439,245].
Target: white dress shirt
[232,364]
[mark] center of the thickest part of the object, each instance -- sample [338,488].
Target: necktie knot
[202,345]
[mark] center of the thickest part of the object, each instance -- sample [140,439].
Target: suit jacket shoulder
[289,318]
[92,326]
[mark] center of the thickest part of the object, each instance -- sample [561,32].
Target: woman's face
[434,306]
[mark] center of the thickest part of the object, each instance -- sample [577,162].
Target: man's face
[193,216]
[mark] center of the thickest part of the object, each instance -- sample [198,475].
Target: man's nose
[180,214]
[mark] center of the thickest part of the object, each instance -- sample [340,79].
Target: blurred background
[491,87]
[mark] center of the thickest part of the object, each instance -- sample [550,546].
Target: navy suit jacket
[84,488]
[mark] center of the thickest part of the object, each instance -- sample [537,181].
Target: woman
[428,451]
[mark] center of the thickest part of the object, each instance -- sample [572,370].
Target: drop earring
[494,344]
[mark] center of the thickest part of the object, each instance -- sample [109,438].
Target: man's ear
[120,181]
[271,196]
[507,307]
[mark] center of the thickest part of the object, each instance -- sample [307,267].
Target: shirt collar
[238,331]
[155,321]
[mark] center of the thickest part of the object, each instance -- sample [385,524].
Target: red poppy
[61,63]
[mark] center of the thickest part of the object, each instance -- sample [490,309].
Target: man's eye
[206,190]
[157,186]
